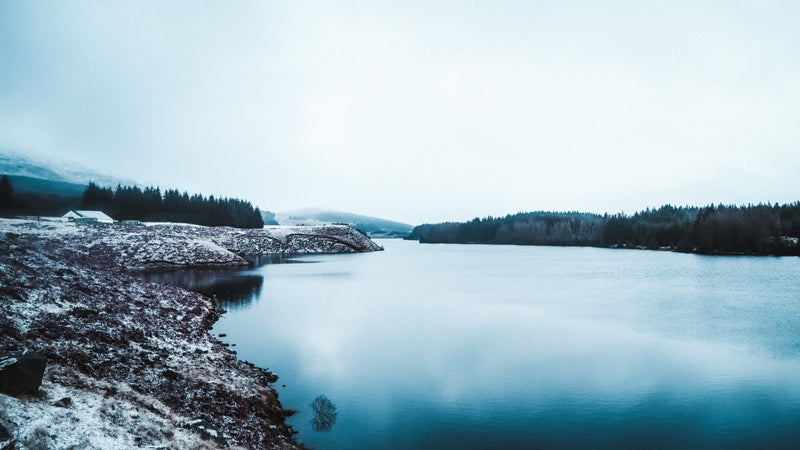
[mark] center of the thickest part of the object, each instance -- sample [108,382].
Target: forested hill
[755,230]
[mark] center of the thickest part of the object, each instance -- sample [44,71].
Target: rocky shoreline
[131,364]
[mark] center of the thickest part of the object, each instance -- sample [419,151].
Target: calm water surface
[448,346]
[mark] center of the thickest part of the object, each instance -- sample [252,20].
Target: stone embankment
[131,364]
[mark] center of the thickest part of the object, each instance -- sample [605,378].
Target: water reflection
[510,347]
[230,288]
[262,260]
[324,414]
[236,289]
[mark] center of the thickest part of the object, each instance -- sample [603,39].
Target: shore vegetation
[761,229]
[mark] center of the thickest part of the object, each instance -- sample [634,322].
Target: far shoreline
[613,247]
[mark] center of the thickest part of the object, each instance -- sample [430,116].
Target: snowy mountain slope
[16,163]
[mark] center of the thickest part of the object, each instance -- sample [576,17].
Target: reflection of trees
[238,289]
[262,260]
[228,286]
[324,414]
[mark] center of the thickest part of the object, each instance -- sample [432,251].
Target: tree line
[35,198]
[148,204]
[723,229]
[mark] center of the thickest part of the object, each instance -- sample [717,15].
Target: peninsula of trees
[753,229]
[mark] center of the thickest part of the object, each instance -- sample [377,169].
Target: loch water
[475,346]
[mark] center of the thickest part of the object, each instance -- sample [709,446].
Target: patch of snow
[93,419]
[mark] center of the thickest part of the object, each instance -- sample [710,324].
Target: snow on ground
[135,359]
[167,245]
[73,411]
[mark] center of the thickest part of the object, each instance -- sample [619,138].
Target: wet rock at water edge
[271,377]
[21,373]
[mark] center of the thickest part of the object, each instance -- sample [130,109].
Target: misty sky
[416,111]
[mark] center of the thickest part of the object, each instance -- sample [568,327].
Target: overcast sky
[417,111]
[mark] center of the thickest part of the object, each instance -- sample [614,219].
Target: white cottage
[83,216]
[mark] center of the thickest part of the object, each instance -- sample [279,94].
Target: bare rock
[21,372]
[5,435]
[65,402]
[172,375]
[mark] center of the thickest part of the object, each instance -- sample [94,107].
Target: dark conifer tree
[95,197]
[6,192]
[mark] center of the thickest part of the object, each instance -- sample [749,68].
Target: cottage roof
[88,214]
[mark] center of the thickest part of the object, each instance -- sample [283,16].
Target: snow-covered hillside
[16,163]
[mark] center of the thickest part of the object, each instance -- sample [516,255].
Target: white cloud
[416,111]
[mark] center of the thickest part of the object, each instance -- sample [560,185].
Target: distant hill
[373,226]
[15,164]
[48,188]
[40,186]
